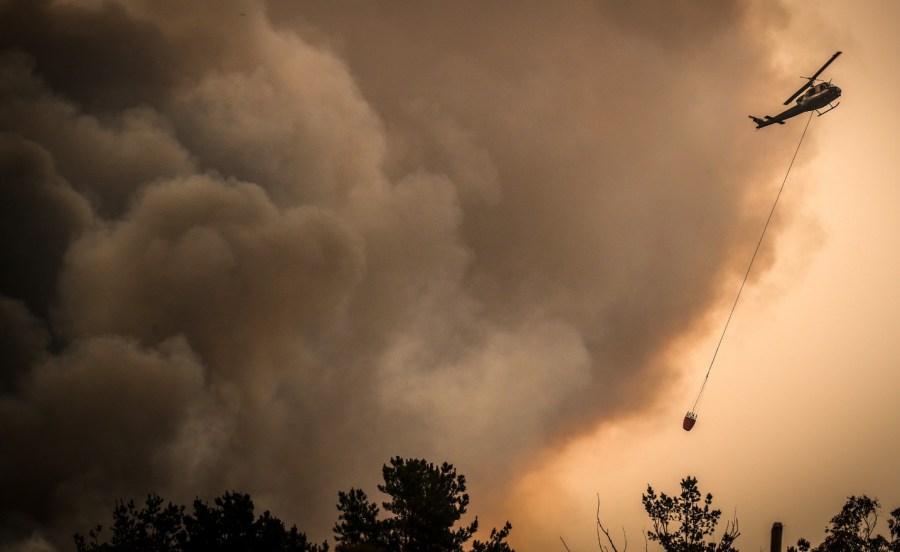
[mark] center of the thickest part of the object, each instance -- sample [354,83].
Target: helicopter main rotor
[811,80]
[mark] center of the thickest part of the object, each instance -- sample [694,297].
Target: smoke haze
[270,248]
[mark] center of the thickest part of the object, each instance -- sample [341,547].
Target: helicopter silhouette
[816,97]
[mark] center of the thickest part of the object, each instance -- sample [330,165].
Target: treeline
[686,522]
[425,505]
[426,502]
[853,529]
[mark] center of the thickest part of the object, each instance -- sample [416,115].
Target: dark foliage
[853,530]
[426,502]
[685,524]
[497,541]
[358,527]
[228,526]
[150,529]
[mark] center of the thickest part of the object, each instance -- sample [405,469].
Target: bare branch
[564,544]
[870,524]
[600,528]
[732,532]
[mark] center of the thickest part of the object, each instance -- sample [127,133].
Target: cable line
[691,417]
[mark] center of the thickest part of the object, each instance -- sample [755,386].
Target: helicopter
[812,96]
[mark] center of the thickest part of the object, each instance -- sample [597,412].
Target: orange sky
[268,246]
[800,411]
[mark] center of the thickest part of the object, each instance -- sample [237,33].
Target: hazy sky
[269,246]
[801,409]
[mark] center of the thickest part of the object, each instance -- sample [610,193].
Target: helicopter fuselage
[810,96]
[816,97]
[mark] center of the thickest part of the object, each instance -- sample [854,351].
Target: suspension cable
[753,258]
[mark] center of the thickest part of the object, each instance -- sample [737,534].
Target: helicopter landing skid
[820,113]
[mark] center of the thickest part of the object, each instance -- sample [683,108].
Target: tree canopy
[426,502]
[228,525]
[685,524]
[853,530]
[425,505]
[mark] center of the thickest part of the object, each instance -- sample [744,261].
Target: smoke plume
[268,248]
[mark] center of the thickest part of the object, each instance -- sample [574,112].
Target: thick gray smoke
[267,249]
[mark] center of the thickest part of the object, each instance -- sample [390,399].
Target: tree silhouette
[497,541]
[153,528]
[681,524]
[853,530]
[228,525]
[426,502]
[358,524]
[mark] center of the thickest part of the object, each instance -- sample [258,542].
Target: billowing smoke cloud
[267,249]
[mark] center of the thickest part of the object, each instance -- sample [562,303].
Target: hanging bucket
[689,420]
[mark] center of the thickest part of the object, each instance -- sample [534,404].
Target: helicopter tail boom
[768,120]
